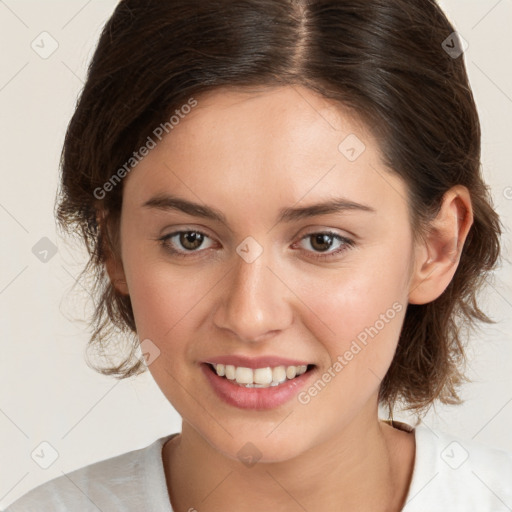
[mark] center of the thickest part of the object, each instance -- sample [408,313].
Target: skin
[248,154]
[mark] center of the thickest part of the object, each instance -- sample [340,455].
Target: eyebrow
[168,202]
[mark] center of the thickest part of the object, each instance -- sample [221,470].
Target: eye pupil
[191,240]
[322,239]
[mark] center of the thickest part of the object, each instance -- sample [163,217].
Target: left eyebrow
[337,205]
[290,214]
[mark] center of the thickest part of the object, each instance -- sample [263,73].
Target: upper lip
[255,362]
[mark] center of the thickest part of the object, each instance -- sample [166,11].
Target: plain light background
[48,394]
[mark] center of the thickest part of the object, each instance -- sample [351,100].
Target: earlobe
[117,277]
[438,255]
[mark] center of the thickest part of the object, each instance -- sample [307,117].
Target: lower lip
[255,398]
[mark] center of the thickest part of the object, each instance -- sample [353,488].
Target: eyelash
[347,243]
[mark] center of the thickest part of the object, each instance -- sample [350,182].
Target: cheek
[166,305]
[165,298]
[365,314]
[357,312]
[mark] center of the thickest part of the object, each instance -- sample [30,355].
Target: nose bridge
[254,303]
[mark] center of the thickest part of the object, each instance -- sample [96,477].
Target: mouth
[264,377]
[258,383]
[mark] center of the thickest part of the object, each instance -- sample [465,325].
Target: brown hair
[383,60]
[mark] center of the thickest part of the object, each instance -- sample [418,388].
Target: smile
[259,388]
[258,377]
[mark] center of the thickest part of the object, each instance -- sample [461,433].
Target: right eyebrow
[170,202]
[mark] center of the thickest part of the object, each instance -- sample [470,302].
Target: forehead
[273,115]
[275,145]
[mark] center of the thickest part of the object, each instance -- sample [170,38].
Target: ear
[437,256]
[116,273]
[111,250]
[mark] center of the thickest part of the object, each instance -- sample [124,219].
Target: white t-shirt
[449,475]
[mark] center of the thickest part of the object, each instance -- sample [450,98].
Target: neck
[365,467]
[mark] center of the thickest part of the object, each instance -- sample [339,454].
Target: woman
[283,205]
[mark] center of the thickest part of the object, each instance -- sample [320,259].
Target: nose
[255,301]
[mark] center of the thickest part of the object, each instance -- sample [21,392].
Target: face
[254,272]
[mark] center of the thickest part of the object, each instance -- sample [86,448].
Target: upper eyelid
[330,231]
[313,231]
[345,240]
[172,234]
[314,227]
[307,230]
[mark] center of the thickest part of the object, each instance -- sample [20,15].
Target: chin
[251,449]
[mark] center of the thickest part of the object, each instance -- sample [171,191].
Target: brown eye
[185,243]
[324,242]
[321,241]
[191,240]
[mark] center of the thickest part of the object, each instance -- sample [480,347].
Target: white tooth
[263,375]
[230,371]
[244,375]
[220,370]
[291,371]
[279,374]
[301,369]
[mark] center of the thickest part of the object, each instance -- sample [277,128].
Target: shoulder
[458,475]
[119,483]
